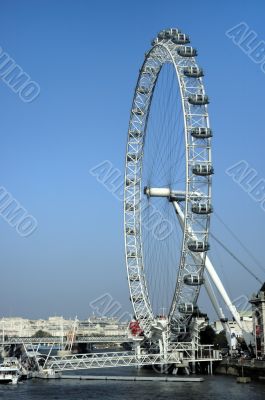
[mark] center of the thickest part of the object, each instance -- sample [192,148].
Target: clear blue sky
[85,56]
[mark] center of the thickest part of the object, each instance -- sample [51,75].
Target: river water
[214,387]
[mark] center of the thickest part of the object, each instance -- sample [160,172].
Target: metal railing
[63,340]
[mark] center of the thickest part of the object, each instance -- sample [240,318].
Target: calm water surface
[215,387]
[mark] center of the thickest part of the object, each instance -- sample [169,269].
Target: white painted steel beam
[212,273]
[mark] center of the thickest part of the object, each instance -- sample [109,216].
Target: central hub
[172,195]
[157,192]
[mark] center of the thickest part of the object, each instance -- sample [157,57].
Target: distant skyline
[81,61]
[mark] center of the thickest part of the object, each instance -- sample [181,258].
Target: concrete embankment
[238,367]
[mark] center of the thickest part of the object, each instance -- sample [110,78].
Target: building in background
[58,326]
[246,319]
[258,316]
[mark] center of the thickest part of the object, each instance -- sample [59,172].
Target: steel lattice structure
[181,354]
[170,47]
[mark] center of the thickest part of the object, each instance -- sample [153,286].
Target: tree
[207,336]
[220,340]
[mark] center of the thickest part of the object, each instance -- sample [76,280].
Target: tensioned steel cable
[240,242]
[235,257]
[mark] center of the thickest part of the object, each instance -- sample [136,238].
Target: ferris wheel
[167,190]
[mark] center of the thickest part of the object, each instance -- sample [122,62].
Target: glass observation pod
[187,308]
[198,99]
[135,134]
[193,72]
[193,280]
[187,51]
[203,169]
[130,231]
[202,208]
[201,133]
[132,157]
[224,320]
[198,246]
[168,33]
[143,90]
[155,41]
[180,38]
[130,207]
[138,111]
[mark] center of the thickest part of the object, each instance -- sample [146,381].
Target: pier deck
[134,378]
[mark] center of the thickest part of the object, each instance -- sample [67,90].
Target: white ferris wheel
[167,191]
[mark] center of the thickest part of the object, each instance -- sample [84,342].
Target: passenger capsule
[132,157]
[198,99]
[193,280]
[161,35]
[138,111]
[155,41]
[168,33]
[203,169]
[187,51]
[187,308]
[201,133]
[193,72]
[180,38]
[198,246]
[130,231]
[143,90]
[224,320]
[202,208]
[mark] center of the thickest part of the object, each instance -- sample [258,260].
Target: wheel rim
[164,55]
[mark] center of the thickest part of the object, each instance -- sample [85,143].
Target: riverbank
[255,369]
